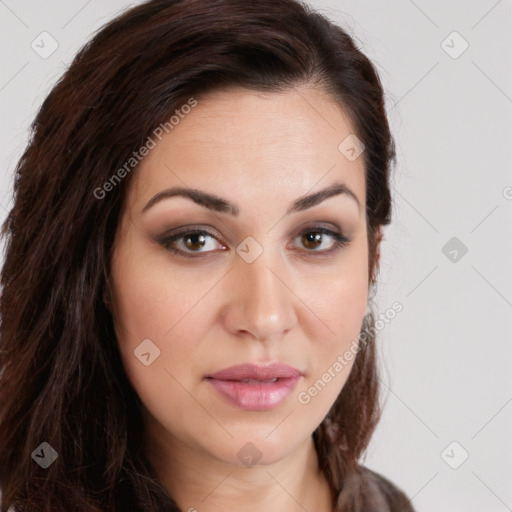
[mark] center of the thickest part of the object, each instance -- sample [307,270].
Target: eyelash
[167,241]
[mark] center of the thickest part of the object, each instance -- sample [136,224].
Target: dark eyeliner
[167,240]
[339,240]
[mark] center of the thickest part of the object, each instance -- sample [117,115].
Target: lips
[245,372]
[253,387]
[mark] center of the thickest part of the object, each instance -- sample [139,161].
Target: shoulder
[381,494]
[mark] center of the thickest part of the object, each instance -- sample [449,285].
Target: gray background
[446,356]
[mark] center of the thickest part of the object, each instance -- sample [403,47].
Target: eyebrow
[222,205]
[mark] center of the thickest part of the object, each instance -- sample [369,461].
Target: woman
[194,242]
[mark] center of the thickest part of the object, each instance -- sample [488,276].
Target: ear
[376,262]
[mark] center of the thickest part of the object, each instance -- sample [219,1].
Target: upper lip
[256,372]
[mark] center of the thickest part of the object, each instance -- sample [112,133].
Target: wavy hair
[62,380]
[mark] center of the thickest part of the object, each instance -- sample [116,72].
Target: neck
[199,482]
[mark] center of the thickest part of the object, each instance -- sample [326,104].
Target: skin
[260,151]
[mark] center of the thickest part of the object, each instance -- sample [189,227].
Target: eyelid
[194,228]
[175,234]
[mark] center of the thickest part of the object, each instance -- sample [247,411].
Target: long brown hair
[61,380]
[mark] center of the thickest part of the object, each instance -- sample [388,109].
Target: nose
[261,300]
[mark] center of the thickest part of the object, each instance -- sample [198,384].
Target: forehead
[257,144]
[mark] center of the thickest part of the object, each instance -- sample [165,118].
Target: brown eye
[194,241]
[313,238]
[191,242]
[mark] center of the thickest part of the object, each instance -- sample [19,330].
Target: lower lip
[255,396]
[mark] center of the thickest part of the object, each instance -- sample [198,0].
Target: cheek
[154,300]
[343,299]
[150,304]
[170,308]
[339,297]
[343,313]
[333,354]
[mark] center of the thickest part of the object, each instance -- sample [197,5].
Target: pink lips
[254,387]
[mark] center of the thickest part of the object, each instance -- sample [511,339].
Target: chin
[261,446]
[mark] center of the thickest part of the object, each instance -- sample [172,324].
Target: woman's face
[261,284]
